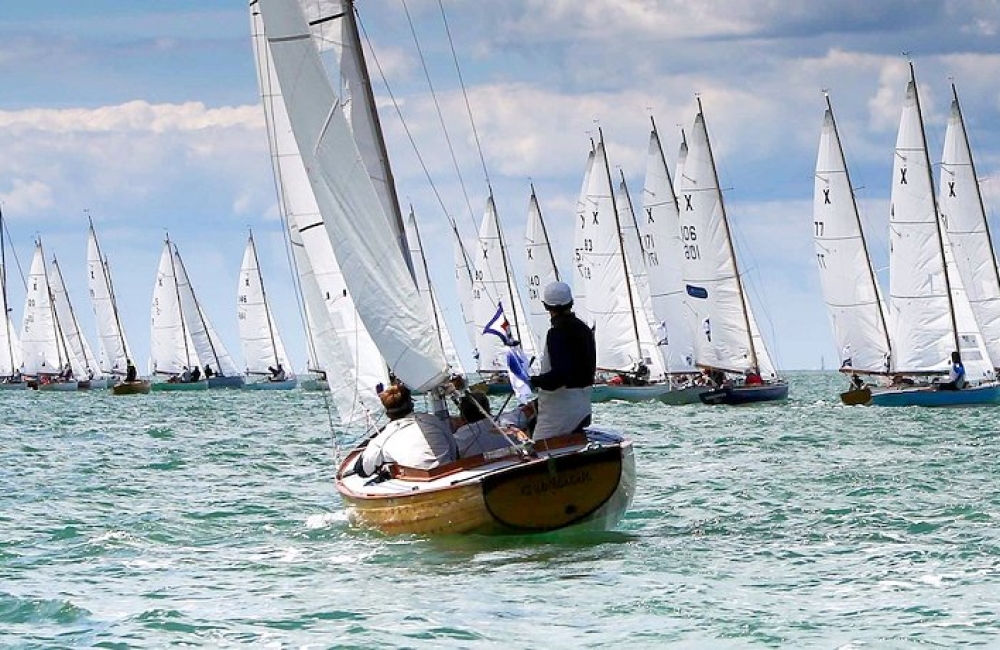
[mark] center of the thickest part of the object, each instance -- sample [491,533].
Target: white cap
[557,294]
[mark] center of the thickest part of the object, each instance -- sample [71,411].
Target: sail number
[534,282]
[689,235]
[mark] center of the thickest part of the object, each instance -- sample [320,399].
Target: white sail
[81,356]
[726,334]
[581,262]
[661,238]
[610,300]
[110,331]
[492,286]
[40,341]
[682,155]
[426,289]
[540,269]
[171,349]
[850,289]
[964,217]
[343,348]
[922,330]
[365,239]
[259,338]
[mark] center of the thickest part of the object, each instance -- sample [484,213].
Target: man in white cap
[568,364]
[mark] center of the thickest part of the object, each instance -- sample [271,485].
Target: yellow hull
[583,484]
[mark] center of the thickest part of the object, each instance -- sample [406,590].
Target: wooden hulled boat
[584,479]
[856,396]
[137,387]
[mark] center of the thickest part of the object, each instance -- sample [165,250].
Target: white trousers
[560,411]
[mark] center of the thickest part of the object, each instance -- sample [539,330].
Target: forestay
[207,344]
[171,349]
[259,338]
[110,331]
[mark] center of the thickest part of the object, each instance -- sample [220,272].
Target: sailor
[195,373]
[185,375]
[568,365]
[956,376]
[418,440]
[479,434]
[277,373]
[130,371]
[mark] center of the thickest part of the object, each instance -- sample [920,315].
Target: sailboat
[964,217]
[727,339]
[46,357]
[117,355]
[82,359]
[850,288]
[10,346]
[627,358]
[172,352]
[540,269]
[663,256]
[263,350]
[930,315]
[494,291]
[581,479]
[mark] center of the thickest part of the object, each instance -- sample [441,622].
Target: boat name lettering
[559,482]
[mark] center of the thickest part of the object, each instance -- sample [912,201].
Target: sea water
[210,520]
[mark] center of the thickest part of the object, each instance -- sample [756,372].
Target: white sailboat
[929,312]
[540,270]
[218,366]
[85,366]
[172,353]
[964,217]
[494,292]
[850,288]
[727,339]
[627,355]
[10,345]
[45,356]
[485,495]
[267,364]
[664,253]
[117,355]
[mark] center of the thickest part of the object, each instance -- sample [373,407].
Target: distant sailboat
[540,269]
[81,357]
[263,351]
[727,338]
[46,358]
[110,331]
[171,350]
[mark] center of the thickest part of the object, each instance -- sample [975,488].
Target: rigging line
[13,251]
[437,107]
[406,128]
[465,94]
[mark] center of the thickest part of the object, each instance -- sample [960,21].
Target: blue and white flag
[518,364]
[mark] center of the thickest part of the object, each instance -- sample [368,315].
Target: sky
[146,117]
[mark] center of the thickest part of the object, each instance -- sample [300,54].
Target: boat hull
[229,381]
[13,385]
[578,487]
[58,386]
[137,387]
[930,396]
[856,396]
[746,394]
[94,384]
[176,386]
[287,384]
[314,384]
[650,392]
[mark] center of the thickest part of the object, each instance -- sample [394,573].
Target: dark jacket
[571,352]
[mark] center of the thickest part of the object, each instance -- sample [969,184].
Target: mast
[861,231]
[937,211]
[729,243]
[642,253]
[545,232]
[506,270]
[3,289]
[60,339]
[263,294]
[180,305]
[621,248]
